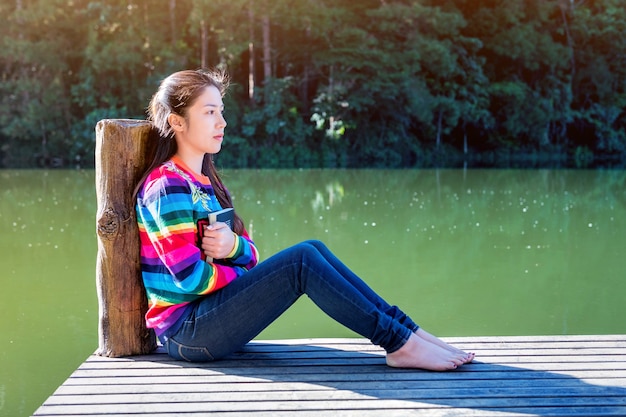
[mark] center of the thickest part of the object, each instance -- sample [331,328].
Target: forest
[321,83]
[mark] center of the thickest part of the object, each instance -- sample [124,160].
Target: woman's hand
[218,240]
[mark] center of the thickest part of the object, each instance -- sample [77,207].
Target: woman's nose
[222,121]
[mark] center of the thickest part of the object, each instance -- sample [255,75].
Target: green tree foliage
[38,50]
[337,83]
[598,43]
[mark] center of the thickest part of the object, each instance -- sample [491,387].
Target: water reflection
[490,252]
[537,248]
[325,200]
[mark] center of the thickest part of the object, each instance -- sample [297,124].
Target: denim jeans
[227,319]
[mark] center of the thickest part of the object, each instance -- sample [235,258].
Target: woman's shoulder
[165,177]
[166,172]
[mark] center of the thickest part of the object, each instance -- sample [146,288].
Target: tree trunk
[124,148]
[465,144]
[173,22]
[204,47]
[304,88]
[251,65]
[267,48]
[439,122]
[570,41]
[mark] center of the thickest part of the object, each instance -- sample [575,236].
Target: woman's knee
[317,244]
[306,248]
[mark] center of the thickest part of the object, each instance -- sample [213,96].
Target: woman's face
[202,131]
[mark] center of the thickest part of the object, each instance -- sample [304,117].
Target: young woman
[203,311]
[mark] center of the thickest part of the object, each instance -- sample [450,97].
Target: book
[226,215]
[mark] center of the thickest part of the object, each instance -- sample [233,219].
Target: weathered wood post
[123,150]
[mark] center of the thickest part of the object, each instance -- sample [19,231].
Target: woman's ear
[176,122]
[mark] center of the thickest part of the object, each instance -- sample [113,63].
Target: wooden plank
[616,358]
[546,407]
[540,353]
[284,392]
[565,375]
[230,384]
[376,412]
[616,363]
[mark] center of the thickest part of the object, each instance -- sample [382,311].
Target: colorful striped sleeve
[173,272]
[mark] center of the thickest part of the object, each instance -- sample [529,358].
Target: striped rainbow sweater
[169,205]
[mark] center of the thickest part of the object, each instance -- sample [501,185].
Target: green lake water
[465,253]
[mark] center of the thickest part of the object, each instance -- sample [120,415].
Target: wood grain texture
[124,149]
[541,375]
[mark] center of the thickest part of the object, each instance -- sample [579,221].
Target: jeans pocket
[187,353]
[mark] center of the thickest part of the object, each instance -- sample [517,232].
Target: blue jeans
[224,321]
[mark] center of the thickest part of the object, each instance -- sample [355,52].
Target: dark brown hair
[175,95]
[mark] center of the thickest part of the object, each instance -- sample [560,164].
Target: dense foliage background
[338,83]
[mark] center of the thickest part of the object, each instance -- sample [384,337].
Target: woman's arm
[168,233]
[219,242]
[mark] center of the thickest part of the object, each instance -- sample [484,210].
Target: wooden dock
[542,375]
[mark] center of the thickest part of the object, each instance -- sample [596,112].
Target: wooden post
[124,148]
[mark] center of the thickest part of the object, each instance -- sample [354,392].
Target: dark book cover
[226,215]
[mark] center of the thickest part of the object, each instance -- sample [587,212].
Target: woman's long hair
[175,94]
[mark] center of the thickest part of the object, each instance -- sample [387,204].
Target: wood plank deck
[534,375]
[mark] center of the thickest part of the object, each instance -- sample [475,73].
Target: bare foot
[420,353]
[468,357]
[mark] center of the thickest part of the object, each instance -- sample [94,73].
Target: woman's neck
[196,173]
[192,162]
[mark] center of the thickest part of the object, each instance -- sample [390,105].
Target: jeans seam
[180,350]
[229,300]
[394,324]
